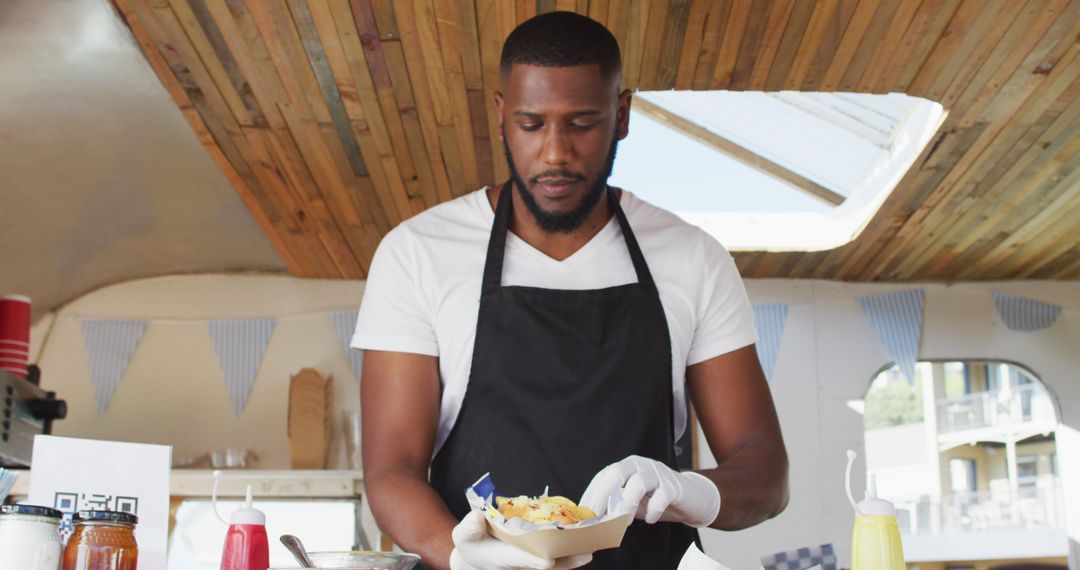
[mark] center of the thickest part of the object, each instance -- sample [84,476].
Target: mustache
[558,174]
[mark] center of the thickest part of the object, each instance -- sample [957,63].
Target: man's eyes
[530,127]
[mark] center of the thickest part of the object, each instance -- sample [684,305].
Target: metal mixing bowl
[364,560]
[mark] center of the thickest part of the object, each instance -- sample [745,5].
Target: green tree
[893,405]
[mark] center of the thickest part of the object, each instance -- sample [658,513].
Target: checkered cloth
[802,559]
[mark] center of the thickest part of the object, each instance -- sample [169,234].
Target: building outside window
[966,452]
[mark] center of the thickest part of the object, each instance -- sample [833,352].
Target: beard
[562,222]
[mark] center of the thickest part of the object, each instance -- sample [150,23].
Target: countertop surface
[265,483]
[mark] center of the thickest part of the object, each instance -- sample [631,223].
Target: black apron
[564,383]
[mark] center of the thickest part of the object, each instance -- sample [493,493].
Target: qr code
[69,503]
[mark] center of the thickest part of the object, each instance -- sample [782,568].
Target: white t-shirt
[423,289]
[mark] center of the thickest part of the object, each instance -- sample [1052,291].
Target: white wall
[173,392]
[829,354]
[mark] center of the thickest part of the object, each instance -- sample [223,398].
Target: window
[989,429]
[783,171]
[993,379]
[1027,470]
[962,475]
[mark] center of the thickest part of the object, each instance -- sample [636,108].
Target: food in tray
[543,510]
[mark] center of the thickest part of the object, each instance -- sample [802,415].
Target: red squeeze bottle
[246,547]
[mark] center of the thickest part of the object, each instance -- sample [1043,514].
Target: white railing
[999,409]
[1037,507]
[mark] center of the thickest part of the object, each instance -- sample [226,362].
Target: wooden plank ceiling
[335,119]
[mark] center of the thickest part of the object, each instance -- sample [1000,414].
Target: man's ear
[498,96]
[622,114]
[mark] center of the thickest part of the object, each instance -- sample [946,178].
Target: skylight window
[778,171]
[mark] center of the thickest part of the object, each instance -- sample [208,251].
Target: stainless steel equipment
[26,411]
[296,548]
[364,560]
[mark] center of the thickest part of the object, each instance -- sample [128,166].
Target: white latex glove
[475,549]
[660,493]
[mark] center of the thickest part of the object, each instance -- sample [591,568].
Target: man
[547,331]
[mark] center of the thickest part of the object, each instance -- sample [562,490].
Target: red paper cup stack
[14,334]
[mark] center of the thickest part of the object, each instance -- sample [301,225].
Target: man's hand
[475,549]
[660,493]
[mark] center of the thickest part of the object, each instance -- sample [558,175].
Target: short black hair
[561,39]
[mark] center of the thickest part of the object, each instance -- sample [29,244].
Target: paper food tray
[551,540]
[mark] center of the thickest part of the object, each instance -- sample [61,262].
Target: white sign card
[84,474]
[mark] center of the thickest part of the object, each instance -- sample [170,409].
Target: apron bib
[564,383]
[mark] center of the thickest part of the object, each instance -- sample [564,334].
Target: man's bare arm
[399,400]
[736,412]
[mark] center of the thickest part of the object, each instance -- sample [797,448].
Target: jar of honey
[102,540]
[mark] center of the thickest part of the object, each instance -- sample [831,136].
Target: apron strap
[643,274]
[497,243]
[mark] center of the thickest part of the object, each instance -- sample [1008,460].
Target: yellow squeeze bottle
[875,538]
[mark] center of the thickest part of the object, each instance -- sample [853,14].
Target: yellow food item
[543,510]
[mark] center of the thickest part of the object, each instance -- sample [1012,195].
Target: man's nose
[557,147]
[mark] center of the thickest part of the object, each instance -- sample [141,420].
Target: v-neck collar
[513,240]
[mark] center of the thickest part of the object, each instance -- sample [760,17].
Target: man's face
[560,126]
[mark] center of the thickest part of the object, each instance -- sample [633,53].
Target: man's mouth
[556,187]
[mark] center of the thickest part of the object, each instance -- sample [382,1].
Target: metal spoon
[297,549]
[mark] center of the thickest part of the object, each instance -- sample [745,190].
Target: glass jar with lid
[102,540]
[29,537]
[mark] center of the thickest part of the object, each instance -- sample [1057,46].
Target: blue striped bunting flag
[1023,314]
[240,344]
[769,320]
[110,344]
[897,320]
[345,326]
